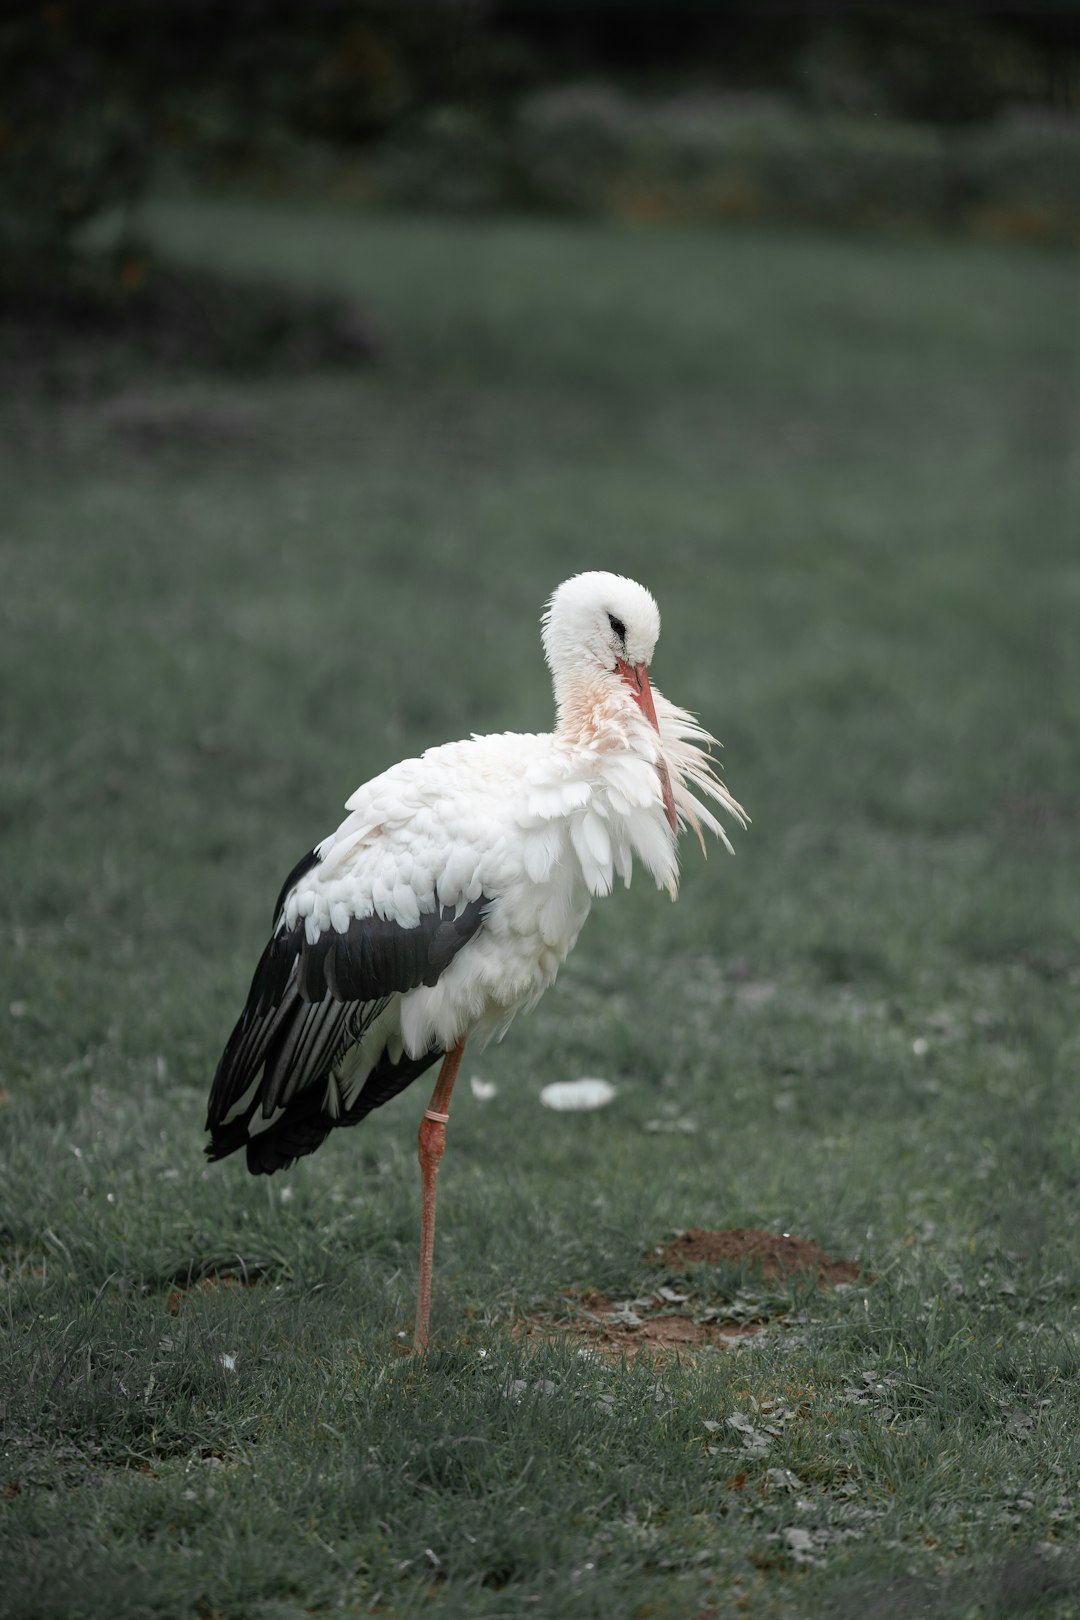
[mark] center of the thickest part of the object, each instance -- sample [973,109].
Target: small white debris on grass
[920,1046]
[515,1389]
[482,1090]
[287,1195]
[228,1360]
[800,1545]
[575,1096]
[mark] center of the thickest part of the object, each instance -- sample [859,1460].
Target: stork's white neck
[601,716]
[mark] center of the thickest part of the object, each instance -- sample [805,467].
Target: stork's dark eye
[618,627]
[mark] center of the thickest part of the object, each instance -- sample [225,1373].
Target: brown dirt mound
[647,1325]
[774,1254]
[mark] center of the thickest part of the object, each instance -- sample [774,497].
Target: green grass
[848,471]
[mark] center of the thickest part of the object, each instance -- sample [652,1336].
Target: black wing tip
[301,1131]
[264,1155]
[266,1159]
[305,1125]
[226,1139]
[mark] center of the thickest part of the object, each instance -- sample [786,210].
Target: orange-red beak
[636,677]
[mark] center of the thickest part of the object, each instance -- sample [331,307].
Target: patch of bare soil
[773,1254]
[178,1295]
[688,1319]
[594,1322]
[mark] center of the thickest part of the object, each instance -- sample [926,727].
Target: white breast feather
[535,824]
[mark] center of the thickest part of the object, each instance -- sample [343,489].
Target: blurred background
[961,119]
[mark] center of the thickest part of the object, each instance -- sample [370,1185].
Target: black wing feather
[306,1124]
[301,869]
[291,1063]
[309,1002]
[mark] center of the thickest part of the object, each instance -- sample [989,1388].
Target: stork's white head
[596,619]
[599,632]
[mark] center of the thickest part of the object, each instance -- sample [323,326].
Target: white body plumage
[532,826]
[543,824]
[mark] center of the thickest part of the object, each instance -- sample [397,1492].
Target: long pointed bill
[636,677]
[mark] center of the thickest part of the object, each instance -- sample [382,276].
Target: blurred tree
[92,92]
[920,60]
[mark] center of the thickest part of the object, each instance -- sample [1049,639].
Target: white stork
[454,889]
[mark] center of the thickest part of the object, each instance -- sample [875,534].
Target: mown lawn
[847,468]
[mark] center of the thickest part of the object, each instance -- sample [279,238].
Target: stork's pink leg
[432,1142]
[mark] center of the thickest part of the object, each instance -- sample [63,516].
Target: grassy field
[847,469]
